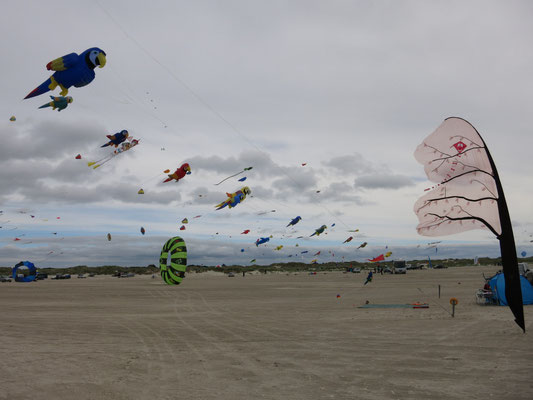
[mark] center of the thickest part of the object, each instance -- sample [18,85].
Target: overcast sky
[348,87]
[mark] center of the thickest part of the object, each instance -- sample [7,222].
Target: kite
[174,251]
[59,102]
[242,179]
[317,253]
[71,70]
[388,254]
[294,221]
[142,230]
[353,230]
[78,157]
[314,261]
[13,118]
[348,240]
[141,191]
[362,245]
[238,173]
[123,147]
[108,237]
[245,232]
[234,198]
[182,228]
[279,247]
[332,225]
[319,230]
[184,221]
[32,272]
[469,195]
[117,138]
[381,257]
[261,241]
[523,254]
[179,173]
[252,261]
[266,212]
[242,250]
[304,164]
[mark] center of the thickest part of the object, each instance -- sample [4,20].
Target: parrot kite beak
[101,60]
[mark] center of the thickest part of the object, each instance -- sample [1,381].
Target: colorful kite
[123,148]
[234,198]
[184,221]
[348,240]
[141,191]
[469,195]
[13,118]
[362,245]
[173,261]
[117,138]
[142,230]
[71,70]
[381,257]
[262,240]
[109,237]
[279,247]
[319,230]
[245,232]
[59,102]
[179,173]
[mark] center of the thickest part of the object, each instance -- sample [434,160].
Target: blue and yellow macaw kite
[294,221]
[117,138]
[71,70]
[59,102]
[234,198]
[319,230]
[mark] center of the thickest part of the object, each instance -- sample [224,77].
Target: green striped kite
[174,273]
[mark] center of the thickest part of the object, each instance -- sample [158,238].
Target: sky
[348,88]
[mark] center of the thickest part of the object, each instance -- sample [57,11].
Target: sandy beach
[274,336]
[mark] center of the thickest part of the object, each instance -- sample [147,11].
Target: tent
[497,285]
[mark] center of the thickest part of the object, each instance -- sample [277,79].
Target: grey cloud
[382,181]
[350,164]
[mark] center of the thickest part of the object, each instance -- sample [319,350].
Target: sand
[273,336]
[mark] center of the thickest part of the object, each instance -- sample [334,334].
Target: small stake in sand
[439,291]
[453,302]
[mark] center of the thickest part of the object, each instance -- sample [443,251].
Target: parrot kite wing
[63,63]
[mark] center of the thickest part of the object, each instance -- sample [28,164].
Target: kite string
[205,104]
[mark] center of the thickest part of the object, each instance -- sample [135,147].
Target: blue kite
[319,230]
[117,138]
[261,241]
[294,221]
[71,70]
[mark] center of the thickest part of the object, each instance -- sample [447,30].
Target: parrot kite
[362,245]
[117,138]
[71,70]
[317,253]
[78,157]
[234,198]
[13,118]
[388,254]
[245,232]
[182,228]
[381,257]
[348,240]
[294,221]
[179,173]
[184,221]
[109,237]
[242,179]
[279,247]
[59,102]
[143,231]
[261,241]
[141,191]
[319,230]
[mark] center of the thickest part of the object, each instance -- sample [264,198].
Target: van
[399,267]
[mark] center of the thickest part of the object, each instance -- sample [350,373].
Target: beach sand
[274,336]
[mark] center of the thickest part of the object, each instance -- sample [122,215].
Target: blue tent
[497,285]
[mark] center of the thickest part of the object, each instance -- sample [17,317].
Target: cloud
[382,181]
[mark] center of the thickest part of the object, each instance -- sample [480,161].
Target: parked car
[5,279]
[399,267]
[440,266]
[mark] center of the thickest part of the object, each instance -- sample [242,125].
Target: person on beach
[369,277]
